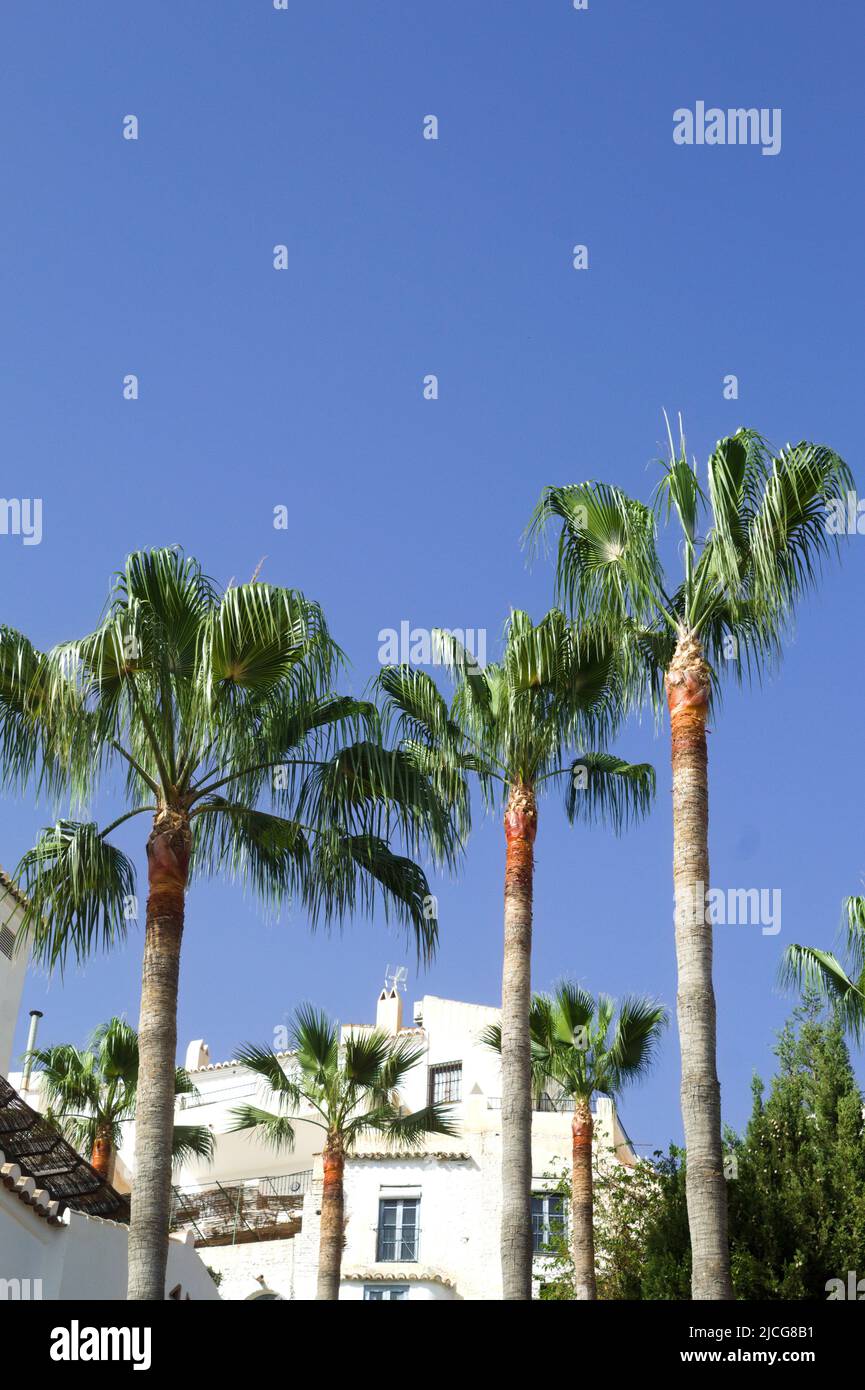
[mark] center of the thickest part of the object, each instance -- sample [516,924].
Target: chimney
[35,1015]
[197,1056]
[388,1012]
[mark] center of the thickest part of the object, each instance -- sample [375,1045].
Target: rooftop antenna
[395,979]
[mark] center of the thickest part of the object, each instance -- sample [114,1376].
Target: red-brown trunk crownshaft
[168,850]
[332,1237]
[687,687]
[521,821]
[102,1154]
[582,1217]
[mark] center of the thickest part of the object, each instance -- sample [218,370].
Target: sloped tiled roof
[7,884]
[37,1151]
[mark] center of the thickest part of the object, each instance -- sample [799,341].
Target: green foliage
[842,985]
[219,705]
[796,1189]
[576,1048]
[752,543]
[797,1207]
[531,718]
[90,1093]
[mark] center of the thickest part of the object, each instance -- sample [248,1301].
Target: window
[377,1293]
[445,1083]
[7,942]
[398,1228]
[548,1219]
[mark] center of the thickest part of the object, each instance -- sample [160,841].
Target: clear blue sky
[304,387]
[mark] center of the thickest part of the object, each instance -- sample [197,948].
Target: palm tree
[843,988]
[90,1094]
[352,1089]
[218,707]
[750,549]
[521,726]
[572,1049]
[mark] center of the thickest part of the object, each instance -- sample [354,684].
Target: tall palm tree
[521,726]
[91,1093]
[572,1048]
[346,1091]
[841,986]
[750,549]
[218,709]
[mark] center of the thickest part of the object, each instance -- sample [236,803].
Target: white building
[63,1231]
[419,1225]
[13,967]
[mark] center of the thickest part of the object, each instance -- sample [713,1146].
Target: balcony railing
[559,1105]
[223,1213]
[218,1096]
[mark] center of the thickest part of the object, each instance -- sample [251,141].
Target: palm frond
[639,1028]
[607,566]
[261,851]
[261,1061]
[353,873]
[408,1131]
[807,968]
[79,889]
[602,787]
[315,1039]
[192,1141]
[275,1131]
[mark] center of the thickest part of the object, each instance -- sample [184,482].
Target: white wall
[250,1268]
[85,1258]
[12,974]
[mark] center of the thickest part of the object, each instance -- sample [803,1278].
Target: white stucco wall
[12,973]
[85,1258]
[251,1268]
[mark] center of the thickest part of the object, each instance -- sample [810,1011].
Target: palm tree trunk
[687,686]
[582,1218]
[521,820]
[332,1235]
[102,1155]
[168,850]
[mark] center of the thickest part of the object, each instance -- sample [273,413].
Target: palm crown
[218,707]
[750,546]
[577,1046]
[512,723]
[351,1089]
[91,1093]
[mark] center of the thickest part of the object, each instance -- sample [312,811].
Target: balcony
[234,1213]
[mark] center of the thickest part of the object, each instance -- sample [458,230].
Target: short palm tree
[346,1090]
[522,726]
[842,986]
[218,709]
[573,1048]
[91,1093]
[750,549]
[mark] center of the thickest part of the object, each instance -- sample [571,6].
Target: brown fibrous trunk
[582,1216]
[168,851]
[688,687]
[332,1237]
[521,820]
